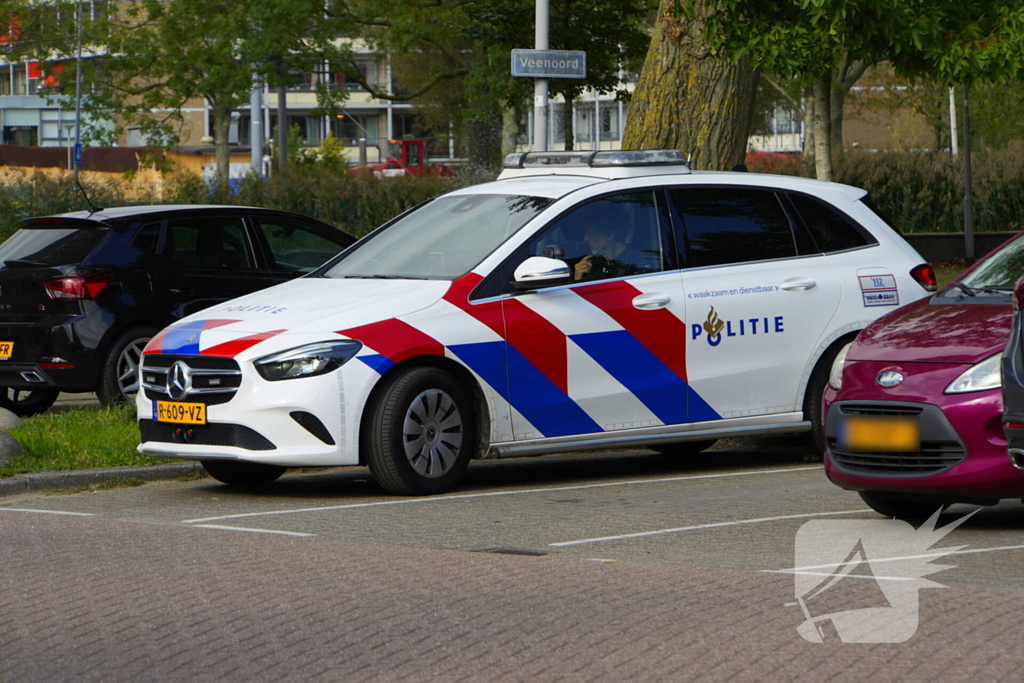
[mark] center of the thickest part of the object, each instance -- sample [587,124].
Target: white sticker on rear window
[879,290]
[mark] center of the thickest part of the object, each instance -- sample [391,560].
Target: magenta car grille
[941,448]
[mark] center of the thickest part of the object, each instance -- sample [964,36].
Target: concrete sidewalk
[42,481]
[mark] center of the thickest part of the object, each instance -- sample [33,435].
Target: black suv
[81,293]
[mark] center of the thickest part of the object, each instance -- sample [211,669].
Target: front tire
[120,374]
[238,473]
[421,433]
[907,510]
[27,402]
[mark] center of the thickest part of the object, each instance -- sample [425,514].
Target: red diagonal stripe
[535,337]
[662,333]
[395,339]
[236,346]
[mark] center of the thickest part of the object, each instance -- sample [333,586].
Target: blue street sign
[549,63]
[78,152]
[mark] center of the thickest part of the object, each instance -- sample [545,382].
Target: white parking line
[696,527]
[255,531]
[805,570]
[51,512]
[465,496]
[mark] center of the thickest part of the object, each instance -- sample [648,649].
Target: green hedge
[354,203]
[924,192]
[919,192]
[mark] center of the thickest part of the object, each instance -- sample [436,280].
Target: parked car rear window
[733,225]
[46,246]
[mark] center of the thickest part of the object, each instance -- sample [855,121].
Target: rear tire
[907,510]
[27,402]
[238,473]
[684,448]
[421,433]
[120,375]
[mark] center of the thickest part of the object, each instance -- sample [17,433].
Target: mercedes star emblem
[179,381]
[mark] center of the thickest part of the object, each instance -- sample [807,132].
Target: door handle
[651,301]
[798,283]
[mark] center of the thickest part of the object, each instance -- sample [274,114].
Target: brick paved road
[132,593]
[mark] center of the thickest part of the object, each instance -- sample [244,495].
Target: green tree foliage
[949,40]
[453,56]
[147,59]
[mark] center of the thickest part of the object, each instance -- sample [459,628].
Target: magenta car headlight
[835,377]
[980,377]
[307,361]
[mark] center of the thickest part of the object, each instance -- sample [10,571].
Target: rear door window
[50,246]
[218,243]
[733,225]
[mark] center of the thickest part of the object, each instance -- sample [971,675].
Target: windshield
[442,239]
[49,246]
[1001,270]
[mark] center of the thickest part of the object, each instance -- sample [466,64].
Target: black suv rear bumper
[52,354]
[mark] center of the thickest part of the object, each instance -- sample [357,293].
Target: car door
[604,353]
[207,260]
[294,246]
[759,298]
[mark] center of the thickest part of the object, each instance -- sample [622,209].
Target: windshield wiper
[382,277]
[23,262]
[970,291]
[964,288]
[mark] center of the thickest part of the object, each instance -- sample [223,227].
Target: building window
[350,127]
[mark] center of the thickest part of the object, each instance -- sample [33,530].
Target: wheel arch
[113,333]
[461,374]
[837,341]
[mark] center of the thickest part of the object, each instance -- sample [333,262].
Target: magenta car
[913,410]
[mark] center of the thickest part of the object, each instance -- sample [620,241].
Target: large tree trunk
[823,127]
[221,129]
[844,78]
[689,99]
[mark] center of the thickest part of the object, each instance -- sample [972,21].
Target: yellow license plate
[886,434]
[182,413]
[6,350]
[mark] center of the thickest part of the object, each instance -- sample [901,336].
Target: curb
[42,481]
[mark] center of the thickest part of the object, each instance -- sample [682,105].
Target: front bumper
[963,449]
[307,422]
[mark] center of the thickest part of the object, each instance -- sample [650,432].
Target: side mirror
[538,271]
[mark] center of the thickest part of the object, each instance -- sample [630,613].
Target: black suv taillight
[925,276]
[76,286]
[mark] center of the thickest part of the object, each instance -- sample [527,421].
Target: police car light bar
[647,157]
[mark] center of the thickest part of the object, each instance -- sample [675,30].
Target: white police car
[583,300]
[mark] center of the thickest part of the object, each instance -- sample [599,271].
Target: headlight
[835,377]
[981,376]
[308,361]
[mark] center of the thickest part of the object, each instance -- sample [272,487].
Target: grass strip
[77,439]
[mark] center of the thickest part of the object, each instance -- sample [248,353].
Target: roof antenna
[688,157]
[92,207]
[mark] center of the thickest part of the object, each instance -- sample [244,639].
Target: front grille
[941,448]
[217,434]
[215,380]
[312,424]
[934,456]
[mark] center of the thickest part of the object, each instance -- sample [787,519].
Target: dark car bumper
[52,354]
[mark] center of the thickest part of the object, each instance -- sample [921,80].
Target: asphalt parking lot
[701,546]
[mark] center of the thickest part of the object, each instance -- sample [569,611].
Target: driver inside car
[609,255]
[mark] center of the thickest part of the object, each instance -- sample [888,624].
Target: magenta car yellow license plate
[183,413]
[886,434]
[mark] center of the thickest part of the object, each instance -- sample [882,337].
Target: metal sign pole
[540,85]
[78,92]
